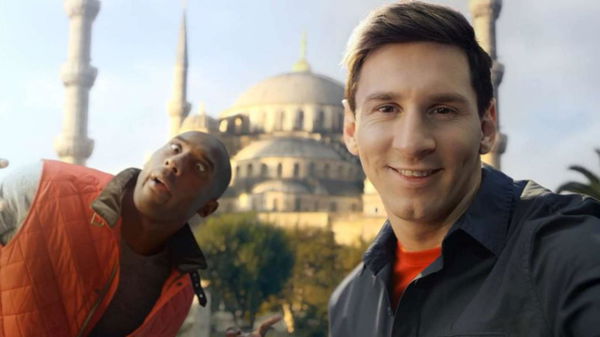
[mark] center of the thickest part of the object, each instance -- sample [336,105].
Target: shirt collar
[487,218]
[185,253]
[382,250]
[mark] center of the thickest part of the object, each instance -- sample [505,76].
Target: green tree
[320,265]
[248,262]
[592,188]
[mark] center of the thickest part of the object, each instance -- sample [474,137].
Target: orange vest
[61,270]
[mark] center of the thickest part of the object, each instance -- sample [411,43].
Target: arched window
[299,122]
[264,170]
[311,169]
[279,120]
[319,120]
[223,126]
[279,170]
[238,124]
[249,170]
[326,171]
[297,204]
[296,170]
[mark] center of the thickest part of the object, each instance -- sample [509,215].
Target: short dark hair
[416,21]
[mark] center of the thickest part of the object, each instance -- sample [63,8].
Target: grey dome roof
[287,147]
[293,88]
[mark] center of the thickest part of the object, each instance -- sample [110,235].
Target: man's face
[179,179]
[416,129]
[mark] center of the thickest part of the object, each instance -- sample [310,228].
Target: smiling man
[88,254]
[466,251]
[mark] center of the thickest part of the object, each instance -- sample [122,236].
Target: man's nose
[413,136]
[174,165]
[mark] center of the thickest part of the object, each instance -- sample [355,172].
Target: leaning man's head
[184,177]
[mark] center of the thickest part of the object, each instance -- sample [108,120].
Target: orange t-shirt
[408,265]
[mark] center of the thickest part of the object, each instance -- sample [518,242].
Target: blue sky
[547,98]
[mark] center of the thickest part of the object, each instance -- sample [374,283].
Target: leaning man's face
[416,129]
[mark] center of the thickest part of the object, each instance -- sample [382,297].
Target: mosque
[284,135]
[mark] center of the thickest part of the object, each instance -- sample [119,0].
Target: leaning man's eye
[201,167]
[175,147]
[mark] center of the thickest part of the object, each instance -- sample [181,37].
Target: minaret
[302,64]
[485,13]
[178,106]
[73,144]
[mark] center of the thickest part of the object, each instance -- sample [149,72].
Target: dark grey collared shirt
[521,262]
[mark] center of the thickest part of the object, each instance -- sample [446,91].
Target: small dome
[293,88]
[287,147]
[279,186]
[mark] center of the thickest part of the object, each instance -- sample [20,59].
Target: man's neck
[143,236]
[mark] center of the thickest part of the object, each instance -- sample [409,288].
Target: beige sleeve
[17,191]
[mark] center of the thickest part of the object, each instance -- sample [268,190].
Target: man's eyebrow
[450,97]
[382,96]
[202,155]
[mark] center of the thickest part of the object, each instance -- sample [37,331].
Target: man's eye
[201,167]
[388,108]
[442,110]
[175,148]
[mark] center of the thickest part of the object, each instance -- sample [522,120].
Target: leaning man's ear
[209,208]
[488,128]
[349,128]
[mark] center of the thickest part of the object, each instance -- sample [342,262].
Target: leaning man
[88,254]
[466,250]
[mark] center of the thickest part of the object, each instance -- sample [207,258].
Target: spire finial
[303,46]
[302,64]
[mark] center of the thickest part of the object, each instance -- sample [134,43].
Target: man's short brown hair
[414,21]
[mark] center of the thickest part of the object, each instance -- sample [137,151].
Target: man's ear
[350,128]
[488,128]
[209,208]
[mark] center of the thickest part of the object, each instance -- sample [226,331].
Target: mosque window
[275,205]
[296,170]
[311,169]
[238,123]
[279,170]
[279,120]
[264,170]
[249,170]
[223,126]
[237,171]
[299,123]
[326,171]
[319,121]
[297,204]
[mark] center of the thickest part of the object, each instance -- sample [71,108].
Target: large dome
[287,147]
[293,88]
